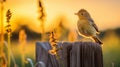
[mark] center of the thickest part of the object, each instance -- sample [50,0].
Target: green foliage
[111,48]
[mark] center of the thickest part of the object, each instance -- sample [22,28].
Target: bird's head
[82,13]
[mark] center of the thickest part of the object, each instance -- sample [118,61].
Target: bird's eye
[81,13]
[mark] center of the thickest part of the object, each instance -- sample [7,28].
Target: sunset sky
[104,12]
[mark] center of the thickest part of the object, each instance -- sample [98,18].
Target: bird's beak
[76,13]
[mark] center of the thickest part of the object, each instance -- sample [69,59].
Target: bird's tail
[97,40]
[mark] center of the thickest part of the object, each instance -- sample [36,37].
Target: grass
[111,48]
[29,53]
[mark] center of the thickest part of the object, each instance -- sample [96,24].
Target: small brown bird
[86,26]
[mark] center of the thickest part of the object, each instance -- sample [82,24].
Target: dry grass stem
[53,43]
[8,30]
[1,31]
[42,16]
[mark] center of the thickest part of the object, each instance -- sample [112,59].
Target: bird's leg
[81,39]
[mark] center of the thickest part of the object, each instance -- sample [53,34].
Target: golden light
[103,12]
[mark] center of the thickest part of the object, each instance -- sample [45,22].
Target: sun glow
[26,12]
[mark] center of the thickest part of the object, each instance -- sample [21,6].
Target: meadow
[111,48]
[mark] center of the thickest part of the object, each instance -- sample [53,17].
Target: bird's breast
[82,23]
[85,28]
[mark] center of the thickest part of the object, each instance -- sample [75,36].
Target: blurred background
[32,20]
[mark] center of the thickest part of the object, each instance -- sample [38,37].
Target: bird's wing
[94,25]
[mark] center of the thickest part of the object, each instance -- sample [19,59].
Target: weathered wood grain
[75,54]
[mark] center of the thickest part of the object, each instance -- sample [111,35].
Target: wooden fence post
[75,54]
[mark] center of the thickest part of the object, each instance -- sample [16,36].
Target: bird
[86,26]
